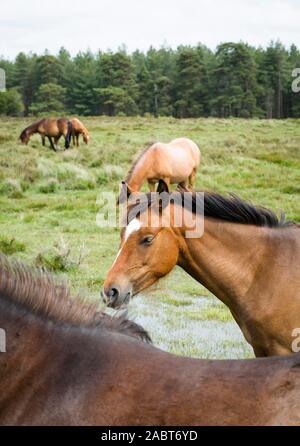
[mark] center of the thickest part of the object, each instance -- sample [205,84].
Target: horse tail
[69,134]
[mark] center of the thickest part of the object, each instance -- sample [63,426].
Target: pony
[247,257]
[68,364]
[175,162]
[79,129]
[49,128]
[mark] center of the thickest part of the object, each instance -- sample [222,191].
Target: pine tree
[49,99]
[235,84]
[190,84]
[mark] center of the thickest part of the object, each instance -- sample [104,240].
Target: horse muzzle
[116,298]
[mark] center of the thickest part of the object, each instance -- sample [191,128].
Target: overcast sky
[33,25]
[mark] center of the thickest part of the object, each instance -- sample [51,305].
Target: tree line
[234,80]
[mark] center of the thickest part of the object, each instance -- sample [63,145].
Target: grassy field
[49,204]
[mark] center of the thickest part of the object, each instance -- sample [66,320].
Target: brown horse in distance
[246,257]
[175,163]
[79,129]
[49,128]
[68,364]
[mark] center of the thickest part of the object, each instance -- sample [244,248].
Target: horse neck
[33,128]
[227,259]
[37,355]
[24,331]
[28,345]
[138,175]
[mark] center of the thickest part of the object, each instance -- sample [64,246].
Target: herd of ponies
[69,363]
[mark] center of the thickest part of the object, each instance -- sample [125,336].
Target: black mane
[234,209]
[231,208]
[30,127]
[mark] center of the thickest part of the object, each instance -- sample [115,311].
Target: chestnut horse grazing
[67,364]
[79,129]
[50,128]
[246,257]
[175,163]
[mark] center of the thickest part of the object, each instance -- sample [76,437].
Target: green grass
[46,197]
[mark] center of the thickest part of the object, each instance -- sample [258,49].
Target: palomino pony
[246,257]
[175,163]
[50,128]
[67,364]
[79,129]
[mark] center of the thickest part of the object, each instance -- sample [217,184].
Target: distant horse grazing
[79,129]
[175,163]
[50,128]
[247,257]
[67,364]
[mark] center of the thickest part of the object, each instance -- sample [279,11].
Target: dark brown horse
[49,128]
[67,364]
[246,256]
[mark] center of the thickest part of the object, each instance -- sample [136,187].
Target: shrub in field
[74,177]
[10,246]
[11,188]
[113,172]
[110,173]
[59,258]
[68,175]
[49,187]
[46,168]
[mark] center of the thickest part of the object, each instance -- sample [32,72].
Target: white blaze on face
[133,226]
[116,258]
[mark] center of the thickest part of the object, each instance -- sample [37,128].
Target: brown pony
[50,128]
[176,162]
[79,129]
[246,257]
[68,364]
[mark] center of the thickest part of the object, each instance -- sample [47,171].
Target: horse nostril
[113,293]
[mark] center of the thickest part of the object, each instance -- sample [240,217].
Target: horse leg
[192,179]
[51,144]
[184,184]
[151,185]
[43,140]
[167,181]
[56,139]
[77,140]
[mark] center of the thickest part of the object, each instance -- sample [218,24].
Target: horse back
[78,127]
[190,147]
[180,157]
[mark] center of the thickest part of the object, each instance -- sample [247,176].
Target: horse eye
[148,240]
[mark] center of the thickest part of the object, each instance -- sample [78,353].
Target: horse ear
[128,188]
[125,193]
[162,187]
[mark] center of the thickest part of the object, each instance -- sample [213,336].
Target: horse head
[149,250]
[24,137]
